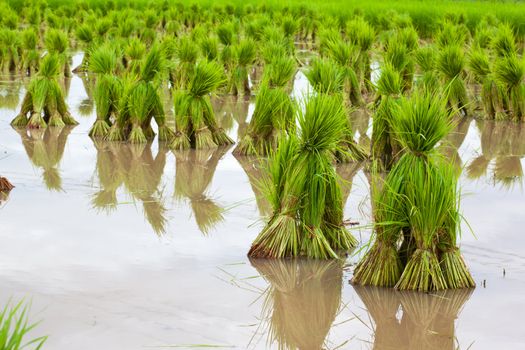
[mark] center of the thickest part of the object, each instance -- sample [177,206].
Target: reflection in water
[232,108]
[410,320]
[45,148]
[254,167]
[347,172]
[453,141]
[504,143]
[193,176]
[10,91]
[86,106]
[135,169]
[302,300]
[360,120]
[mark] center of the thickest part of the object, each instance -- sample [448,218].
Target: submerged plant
[44,100]
[303,189]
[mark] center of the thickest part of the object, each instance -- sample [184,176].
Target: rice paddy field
[262,175]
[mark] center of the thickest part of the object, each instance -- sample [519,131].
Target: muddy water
[130,247]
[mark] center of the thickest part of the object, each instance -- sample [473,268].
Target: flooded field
[133,247]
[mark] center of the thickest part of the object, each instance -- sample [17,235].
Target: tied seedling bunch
[196,125]
[273,117]
[328,78]
[389,90]
[303,189]
[140,103]
[417,206]
[44,103]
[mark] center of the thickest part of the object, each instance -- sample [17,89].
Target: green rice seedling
[86,36]
[44,100]
[509,72]
[385,148]
[10,50]
[244,55]
[504,42]
[451,68]
[30,55]
[452,264]
[427,190]
[303,189]
[225,33]
[398,55]
[187,54]
[363,35]
[425,58]
[210,48]
[348,56]
[381,265]
[134,52]
[290,26]
[103,63]
[493,96]
[451,34]
[57,43]
[196,126]
[328,78]
[15,326]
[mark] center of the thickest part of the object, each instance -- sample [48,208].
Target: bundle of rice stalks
[244,55]
[10,53]
[225,33]
[302,301]
[398,55]
[45,149]
[303,189]
[452,34]
[196,126]
[493,96]
[328,78]
[451,67]
[194,173]
[384,147]
[426,58]
[210,48]
[30,55]
[103,63]
[504,42]
[86,36]
[187,53]
[57,43]
[509,72]
[347,56]
[273,117]
[362,34]
[44,100]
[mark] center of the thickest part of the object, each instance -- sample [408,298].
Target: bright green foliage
[304,191]
[14,327]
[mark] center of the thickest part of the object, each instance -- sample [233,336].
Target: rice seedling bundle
[57,43]
[493,96]
[86,36]
[398,55]
[274,116]
[451,67]
[384,147]
[504,42]
[196,126]
[244,54]
[44,100]
[362,34]
[30,56]
[509,72]
[103,63]
[418,204]
[425,58]
[303,189]
[328,78]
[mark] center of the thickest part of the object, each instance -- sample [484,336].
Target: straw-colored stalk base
[422,273]
[381,266]
[455,270]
